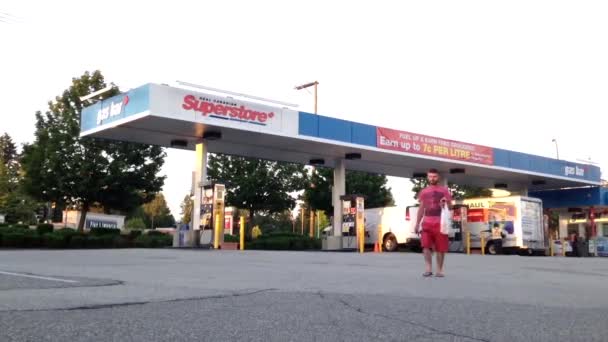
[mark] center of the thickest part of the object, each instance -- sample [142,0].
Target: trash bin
[582,248]
[601,247]
[592,248]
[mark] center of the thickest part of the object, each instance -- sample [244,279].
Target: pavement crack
[117,305]
[434,331]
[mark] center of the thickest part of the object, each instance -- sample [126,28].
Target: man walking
[428,220]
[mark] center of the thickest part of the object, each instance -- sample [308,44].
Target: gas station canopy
[181,118]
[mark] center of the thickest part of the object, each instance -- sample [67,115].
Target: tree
[458,191]
[276,222]
[8,150]
[9,174]
[17,206]
[60,166]
[186,206]
[261,186]
[4,185]
[372,186]
[158,210]
[135,223]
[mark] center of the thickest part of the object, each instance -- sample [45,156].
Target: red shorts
[432,238]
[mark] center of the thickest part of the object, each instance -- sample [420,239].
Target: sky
[506,74]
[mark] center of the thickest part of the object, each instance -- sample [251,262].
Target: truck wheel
[390,243]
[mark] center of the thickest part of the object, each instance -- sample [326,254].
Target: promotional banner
[391,139]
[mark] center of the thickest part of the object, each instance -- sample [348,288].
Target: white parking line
[38,277]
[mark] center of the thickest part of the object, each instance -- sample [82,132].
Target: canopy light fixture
[179,143]
[212,135]
[352,156]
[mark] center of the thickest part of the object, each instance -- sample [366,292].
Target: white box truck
[508,224]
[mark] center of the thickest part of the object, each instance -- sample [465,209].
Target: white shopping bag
[446,220]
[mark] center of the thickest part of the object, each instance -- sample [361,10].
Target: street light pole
[300,87]
[307,85]
[556,149]
[316,84]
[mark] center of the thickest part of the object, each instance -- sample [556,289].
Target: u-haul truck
[508,224]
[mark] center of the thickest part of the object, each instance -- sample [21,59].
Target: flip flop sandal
[427,274]
[439,275]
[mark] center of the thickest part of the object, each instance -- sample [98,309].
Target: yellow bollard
[216,233]
[564,242]
[483,244]
[242,233]
[468,241]
[311,221]
[361,239]
[379,239]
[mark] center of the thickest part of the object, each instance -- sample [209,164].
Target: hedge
[56,240]
[231,238]
[284,241]
[44,228]
[151,241]
[70,238]
[104,231]
[132,234]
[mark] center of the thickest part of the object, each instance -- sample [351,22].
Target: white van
[397,227]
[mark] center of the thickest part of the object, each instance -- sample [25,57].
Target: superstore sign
[391,139]
[227,109]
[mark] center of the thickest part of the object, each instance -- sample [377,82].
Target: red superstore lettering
[242,112]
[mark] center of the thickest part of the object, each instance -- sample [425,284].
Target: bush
[231,238]
[13,239]
[284,241]
[104,231]
[143,241]
[132,234]
[25,226]
[44,228]
[147,241]
[55,240]
[107,241]
[155,233]
[120,242]
[31,239]
[93,241]
[66,232]
[78,241]
[135,223]
[6,227]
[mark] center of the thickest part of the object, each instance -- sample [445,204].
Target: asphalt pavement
[202,295]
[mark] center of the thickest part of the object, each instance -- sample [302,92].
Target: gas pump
[353,222]
[459,222]
[212,209]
